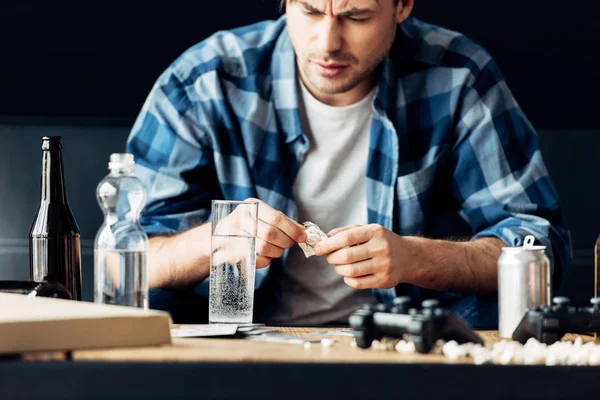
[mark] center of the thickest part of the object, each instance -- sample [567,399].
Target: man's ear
[403,10]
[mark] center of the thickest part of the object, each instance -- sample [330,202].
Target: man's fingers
[342,229]
[274,236]
[291,228]
[262,261]
[350,237]
[363,282]
[349,255]
[355,270]
[267,249]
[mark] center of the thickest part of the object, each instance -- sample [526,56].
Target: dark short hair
[283,2]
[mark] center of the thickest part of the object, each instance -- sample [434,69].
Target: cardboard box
[45,324]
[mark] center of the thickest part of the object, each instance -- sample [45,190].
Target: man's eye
[358,19]
[311,13]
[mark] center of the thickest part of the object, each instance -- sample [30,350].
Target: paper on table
[278,337]
[335,333]
[204,330]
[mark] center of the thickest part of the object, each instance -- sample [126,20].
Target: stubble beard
[350,79]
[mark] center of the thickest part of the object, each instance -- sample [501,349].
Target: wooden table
[237,368]
[237,350]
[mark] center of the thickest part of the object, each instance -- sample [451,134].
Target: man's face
[339,44]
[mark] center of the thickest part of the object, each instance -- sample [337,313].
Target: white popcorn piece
[594,358]
[481,355]
[512,353]
[314,235]
[389,343]
[404,347]
[377,345]
[507,355]
[453,350]
[532,353]
[563,353]
[482,359]
[307,345]
[551,358]
[558,353]
[579,354]
[327,343]
[533,342]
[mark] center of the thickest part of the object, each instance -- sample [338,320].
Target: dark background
[83,69]
[100,58]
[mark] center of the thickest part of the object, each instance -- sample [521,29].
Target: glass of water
[232,261]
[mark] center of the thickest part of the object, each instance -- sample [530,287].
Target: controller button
[430,303]
[381,307]
[561,301]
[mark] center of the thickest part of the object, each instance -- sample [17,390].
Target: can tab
[529,241]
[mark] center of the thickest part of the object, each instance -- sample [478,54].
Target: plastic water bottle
[121,275]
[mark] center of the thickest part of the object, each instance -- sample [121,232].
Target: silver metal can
[524,281]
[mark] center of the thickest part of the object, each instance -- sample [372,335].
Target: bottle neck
[121,170]
[53,181]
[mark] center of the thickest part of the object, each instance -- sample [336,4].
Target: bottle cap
[52,141]
[121,160]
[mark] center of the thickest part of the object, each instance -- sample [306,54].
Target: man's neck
[347,98]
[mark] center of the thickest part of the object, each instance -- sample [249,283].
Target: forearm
[456,266]
[180,260]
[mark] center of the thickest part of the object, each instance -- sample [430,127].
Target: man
[398,137]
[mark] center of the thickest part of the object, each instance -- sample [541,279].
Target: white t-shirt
[330,190]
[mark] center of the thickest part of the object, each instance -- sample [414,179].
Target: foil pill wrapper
[314,235]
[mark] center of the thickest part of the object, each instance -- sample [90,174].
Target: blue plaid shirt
[451,154]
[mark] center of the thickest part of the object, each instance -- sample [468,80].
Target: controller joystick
[401,305]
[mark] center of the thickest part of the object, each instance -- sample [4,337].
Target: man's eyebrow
[355,11]
[307,6]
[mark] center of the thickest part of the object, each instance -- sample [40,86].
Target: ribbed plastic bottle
[121,244]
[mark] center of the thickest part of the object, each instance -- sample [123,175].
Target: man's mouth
[329,70]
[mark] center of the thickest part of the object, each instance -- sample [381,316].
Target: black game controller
[549,324]
[424,327]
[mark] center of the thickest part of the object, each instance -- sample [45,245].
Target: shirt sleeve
[500,178]
[171,145]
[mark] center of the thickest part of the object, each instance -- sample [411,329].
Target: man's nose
[329,39]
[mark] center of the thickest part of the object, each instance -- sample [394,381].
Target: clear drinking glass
[232,261]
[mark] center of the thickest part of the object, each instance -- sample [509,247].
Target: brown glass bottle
[54,238]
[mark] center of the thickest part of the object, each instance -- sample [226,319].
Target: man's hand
[183,260]
[276,232]
[370,256]
[367,256]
